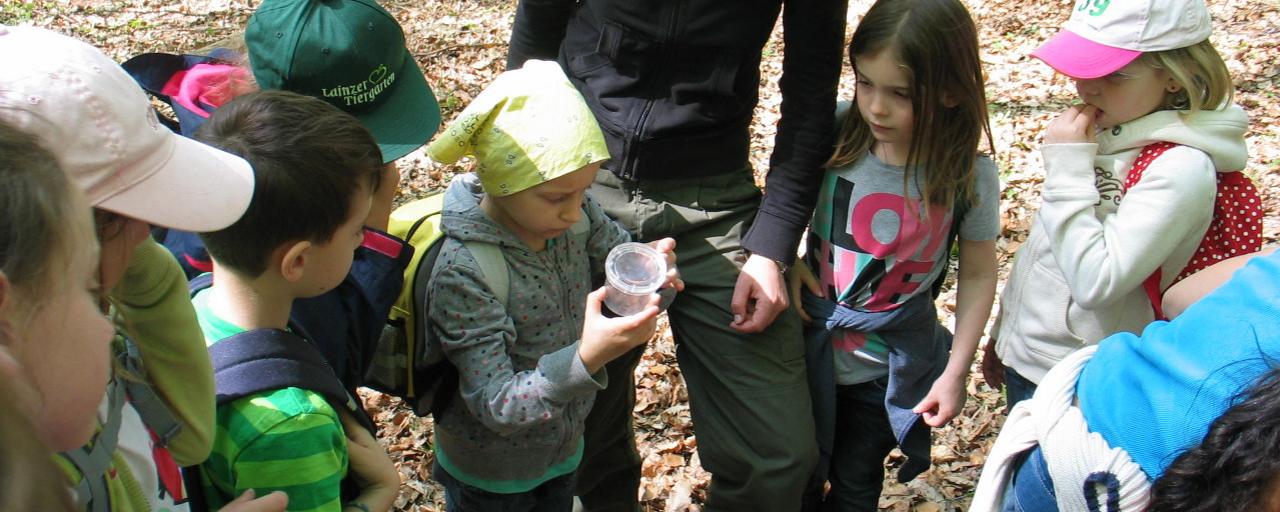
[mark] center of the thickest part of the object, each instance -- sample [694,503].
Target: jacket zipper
[629,166]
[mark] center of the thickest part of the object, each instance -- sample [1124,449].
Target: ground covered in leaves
[461,46]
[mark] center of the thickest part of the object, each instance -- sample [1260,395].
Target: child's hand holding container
[633,273]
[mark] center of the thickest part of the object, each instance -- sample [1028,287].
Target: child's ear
[293,262]
[1173,86]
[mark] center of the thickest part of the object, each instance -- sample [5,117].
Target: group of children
[105,348]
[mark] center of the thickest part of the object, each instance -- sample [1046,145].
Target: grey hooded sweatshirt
[523,391]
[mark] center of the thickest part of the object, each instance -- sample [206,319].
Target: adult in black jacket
[674,84]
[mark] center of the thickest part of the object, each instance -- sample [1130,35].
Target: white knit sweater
[1071,451]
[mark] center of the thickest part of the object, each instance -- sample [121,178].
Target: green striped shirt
[289,440]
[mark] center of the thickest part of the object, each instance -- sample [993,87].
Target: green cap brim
[406,120]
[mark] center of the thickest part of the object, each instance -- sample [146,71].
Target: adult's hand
[759,296]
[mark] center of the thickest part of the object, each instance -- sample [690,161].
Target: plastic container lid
[635,268]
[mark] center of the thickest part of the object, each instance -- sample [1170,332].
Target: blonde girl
[55,356]
[905,180]
[74,100]
[1145,72]
[54,362]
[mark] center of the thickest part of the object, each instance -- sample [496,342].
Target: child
[53,300]
[1146,73]
[905,173]
[1078,443]
[350,53]
[361,41]
[316,171]
[529,369]
[49,322]
[49,292]
[1236,467]
[75,100]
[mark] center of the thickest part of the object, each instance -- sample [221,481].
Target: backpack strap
[959,209]
[155,414]
[91,491]
[1148,154]
[198,283]
[261,360]
[493,265]
[92,463]
[267,359]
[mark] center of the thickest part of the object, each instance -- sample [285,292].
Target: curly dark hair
[1237,464]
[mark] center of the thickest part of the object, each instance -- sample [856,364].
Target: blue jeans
[555,495]
[1031,489]
[1016,387]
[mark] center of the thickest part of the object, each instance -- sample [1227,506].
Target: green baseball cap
[350,53]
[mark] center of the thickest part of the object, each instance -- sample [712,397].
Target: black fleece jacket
[674,84]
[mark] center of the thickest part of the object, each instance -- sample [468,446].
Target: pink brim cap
[1081,58]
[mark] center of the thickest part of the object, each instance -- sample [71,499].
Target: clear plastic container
[633,271]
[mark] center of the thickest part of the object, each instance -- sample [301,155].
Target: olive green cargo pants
[747,392]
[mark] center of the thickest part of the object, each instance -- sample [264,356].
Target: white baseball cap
[1103,36]
[90,114]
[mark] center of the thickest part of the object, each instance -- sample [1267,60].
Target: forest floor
[461,45]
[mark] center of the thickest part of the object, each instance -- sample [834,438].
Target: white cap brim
[194,188]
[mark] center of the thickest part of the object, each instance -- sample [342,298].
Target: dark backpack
[155,73]
[959,208]
[160,74]
[1235,229]
[264,360]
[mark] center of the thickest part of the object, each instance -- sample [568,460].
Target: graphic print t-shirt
[872,250]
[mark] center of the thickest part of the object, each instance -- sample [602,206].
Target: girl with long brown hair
[905,182]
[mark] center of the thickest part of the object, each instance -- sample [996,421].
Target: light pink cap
[101,126]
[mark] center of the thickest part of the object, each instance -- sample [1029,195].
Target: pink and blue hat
[1103,36]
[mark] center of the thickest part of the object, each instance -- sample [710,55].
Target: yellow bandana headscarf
[529,126]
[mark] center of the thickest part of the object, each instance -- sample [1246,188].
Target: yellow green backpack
[408,361]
